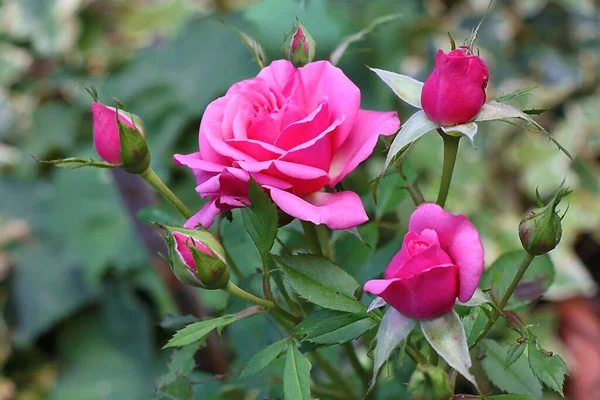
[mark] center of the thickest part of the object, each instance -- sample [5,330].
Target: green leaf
[339,51]
[177,321]
[198,331]
[340,329]
[415,127]
[550,369]
[533,285]
[262,359]
[536,111]
[493,110]
[405,87]
[518,378]
[446,335]
[516,93]
[321,282]
[179,388]
[514,352]
[474,324]
[394,328]
[296,375]
[260,219]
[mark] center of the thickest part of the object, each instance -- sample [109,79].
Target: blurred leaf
[339,51]
[339,329]
[260,219]
[535,111]
[321,282]
[550,369]
[177,321]
[118,337]
[296,375]
[510,397]
[156,214]
[261,360]
[179,388]
[518,378]
[394,328]
[446,335]
[54,128]
[535,282]
[415,127]
[514,352]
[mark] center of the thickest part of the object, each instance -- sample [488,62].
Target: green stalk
[527,259]
[323,235]
[150,176]
[450,152]
[235,290]
[414,353]
[310,230]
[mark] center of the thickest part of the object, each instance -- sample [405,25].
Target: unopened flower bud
[196,257]
[540,231]
[429,382]
[299,47]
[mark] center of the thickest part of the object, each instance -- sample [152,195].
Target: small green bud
[299,46]
[196,257]
[134,152]
[429,382]
[541,229]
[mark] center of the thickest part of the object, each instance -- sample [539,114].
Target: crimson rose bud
[299,47]
[196,257]
[455,91]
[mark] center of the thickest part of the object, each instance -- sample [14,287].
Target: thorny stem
[527,259]
[235,290]
[414,353]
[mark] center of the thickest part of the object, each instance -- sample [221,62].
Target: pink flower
[295,131]
[455,91]
[182,242]
[441,259]
[106,132]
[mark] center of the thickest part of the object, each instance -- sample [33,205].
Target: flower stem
[310,230]
[150,176]
[323,235]
[450,151]
[235,290]
[414,353]
[527,259]
[334,374]
[266,280]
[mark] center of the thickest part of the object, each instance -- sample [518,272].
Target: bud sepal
[196,257]
[541,229]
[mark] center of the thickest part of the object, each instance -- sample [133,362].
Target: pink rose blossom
[295,131]
[455,91]
[106,132]
[441,259]
[182,242]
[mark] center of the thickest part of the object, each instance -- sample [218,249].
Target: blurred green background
[82,292]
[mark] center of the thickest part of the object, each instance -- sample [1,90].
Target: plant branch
[450,152]
[310,231]
[150,176]
[334,374]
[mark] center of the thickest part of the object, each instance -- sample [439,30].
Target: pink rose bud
[196,257]
[299,46]
[455,91]
[441,259]
[121,141]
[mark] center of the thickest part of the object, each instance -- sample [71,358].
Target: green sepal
[134,149]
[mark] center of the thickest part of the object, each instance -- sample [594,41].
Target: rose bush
[455,91]
[441,259]
[295,131]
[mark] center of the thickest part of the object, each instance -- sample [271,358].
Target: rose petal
[459,238]
[106,132]
[360,143]
[341,210]
[256,149]
[423,296]
[204,217]
[319,80]
[279,74]
[306,129]
[426,259]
